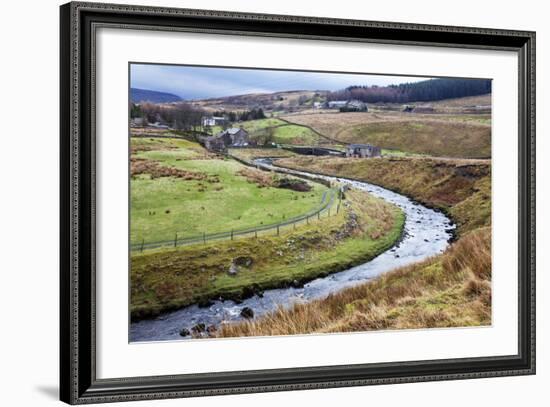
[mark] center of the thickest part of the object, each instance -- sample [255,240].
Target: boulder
[199,328]
[233,269]
[247,313]
[205,303]
[295,284]
[185,332]
[243,261]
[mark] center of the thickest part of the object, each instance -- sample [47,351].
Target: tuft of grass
[449,290]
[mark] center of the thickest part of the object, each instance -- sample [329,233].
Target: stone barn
[363,151]
[233,137]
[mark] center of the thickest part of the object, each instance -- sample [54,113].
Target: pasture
[178,187]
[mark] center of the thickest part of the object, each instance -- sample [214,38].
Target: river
[426,233]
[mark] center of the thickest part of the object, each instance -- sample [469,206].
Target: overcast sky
[200,82]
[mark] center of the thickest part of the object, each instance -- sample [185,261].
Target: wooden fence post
[176,240]
[256,233]
[277,230]
[231,234]
[142,243]
[204,237]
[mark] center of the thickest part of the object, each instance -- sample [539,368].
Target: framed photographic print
[256,203]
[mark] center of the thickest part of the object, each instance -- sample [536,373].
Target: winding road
[426,233]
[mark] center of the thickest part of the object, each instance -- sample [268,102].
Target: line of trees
[185,116]
[181,116]
[429,90]
[253,114]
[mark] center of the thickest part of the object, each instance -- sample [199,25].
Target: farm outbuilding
[363,151]
[214,121]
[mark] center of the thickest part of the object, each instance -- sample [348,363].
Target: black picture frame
[78,382]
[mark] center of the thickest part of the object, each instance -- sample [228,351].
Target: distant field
[297,135]
[184,189]
[255,125]
[283,132]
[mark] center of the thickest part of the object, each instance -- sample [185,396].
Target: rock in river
[247,313]
[199,328]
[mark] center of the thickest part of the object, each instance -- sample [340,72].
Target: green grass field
[283,133]
[297,135]
[222,201]
[255,125]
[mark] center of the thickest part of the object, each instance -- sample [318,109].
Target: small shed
[363,151]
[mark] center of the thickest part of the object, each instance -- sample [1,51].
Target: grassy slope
[283,133]
[458,135]
[461,188]
[162,280]
[432,137]
[298,135]
[449,290]
[221,202]
[255,125]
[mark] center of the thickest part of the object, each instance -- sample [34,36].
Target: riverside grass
[448,290]
[459,187]
[167,279]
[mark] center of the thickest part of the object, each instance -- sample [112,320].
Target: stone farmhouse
[233,137]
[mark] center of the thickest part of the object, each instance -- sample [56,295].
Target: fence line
[326,204]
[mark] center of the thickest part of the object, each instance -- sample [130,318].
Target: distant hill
[144,95]
[267,101]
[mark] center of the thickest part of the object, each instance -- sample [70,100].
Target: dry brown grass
[331,123]
[139,166]
[450,290]
[430,134]
[460,187]
[480,100]
[262,178]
